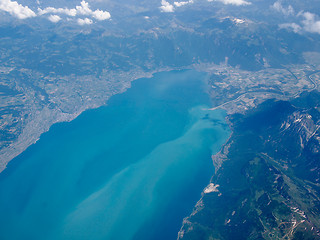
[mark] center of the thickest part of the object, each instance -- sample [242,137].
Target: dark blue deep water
[130,170]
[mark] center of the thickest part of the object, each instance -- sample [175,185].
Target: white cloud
[286,11]
[54,18]
[293,26]
[82,10]
[101,15]
[179,4]
[22,12]
[85,21]
[233,2]
[16,9]
[166,7]
[310,24]
[70,12]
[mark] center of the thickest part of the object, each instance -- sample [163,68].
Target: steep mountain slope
[268,184]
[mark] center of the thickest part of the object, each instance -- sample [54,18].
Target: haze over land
[61,58]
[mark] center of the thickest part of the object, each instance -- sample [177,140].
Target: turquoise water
[130,170]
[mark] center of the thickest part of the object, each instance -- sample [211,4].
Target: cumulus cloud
[83,9]
[286,11]
[293,26]
[179,4]
[101,15]
[22,12]
[166,7]
[54,18]
[16,9]
[86,21]
[310,24]
[70,12]
[233,2]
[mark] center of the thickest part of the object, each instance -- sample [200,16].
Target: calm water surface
[131,170]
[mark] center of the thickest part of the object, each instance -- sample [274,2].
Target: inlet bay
[130,170]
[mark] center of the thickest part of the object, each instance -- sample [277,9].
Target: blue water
[130,170]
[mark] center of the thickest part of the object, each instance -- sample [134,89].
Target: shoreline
[45,119]
[242,103]
[217,160]
[104,131]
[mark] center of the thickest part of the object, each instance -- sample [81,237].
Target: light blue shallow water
[130,170]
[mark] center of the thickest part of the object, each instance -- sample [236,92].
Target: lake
[130,170]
